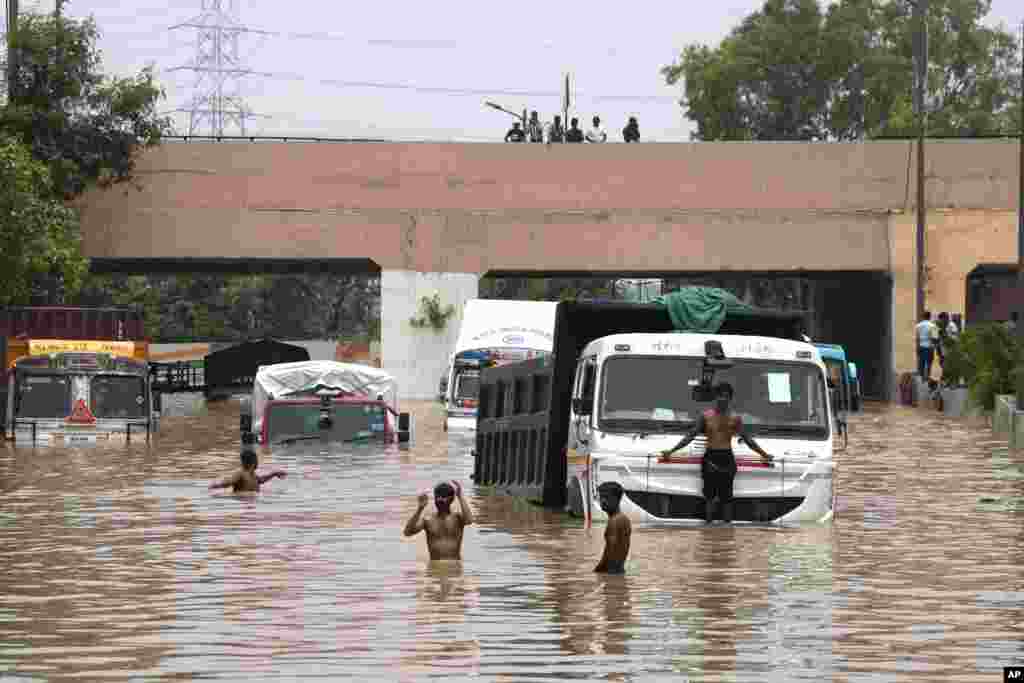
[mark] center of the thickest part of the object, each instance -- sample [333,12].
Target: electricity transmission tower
[216,101]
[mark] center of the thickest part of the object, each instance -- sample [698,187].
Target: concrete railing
[1008,421]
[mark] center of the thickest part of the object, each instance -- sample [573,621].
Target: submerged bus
[494,332]
[79,391]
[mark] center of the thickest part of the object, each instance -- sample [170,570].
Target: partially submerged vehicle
[628,381]
[494,332]
[842,376]
[79,396]
[324,400]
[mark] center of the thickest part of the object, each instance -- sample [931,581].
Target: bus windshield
[43,396]
[117,396]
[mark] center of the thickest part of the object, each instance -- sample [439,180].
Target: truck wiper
[317,437]
[645,428]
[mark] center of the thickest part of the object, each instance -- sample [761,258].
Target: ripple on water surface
[119,565]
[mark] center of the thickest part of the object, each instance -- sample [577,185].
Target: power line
[437,90]
[413,43]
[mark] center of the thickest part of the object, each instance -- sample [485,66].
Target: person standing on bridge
[534,129]
[718,467]
[516,134]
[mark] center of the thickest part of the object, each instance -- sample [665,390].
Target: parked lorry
[627,381]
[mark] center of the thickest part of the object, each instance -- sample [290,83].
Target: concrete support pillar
[417,357]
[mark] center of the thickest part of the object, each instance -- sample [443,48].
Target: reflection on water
[119,564]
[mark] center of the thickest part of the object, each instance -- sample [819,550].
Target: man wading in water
[444,530]
[719,466]
[618,531]
[245,478]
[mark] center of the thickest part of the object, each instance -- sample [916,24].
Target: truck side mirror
[404,428]
[581,406]
[703,393]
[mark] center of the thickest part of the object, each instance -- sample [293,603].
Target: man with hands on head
[444,529]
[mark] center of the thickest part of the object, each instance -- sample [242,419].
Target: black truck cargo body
[523,421]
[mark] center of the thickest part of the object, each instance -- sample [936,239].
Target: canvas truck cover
[495,323]
[703,309]
[308,377]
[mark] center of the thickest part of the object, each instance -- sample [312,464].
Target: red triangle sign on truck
[81,413]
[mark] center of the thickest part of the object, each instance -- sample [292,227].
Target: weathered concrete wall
[470,208]
[956,240]
[417,357]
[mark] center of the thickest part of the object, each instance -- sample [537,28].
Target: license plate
[80,438]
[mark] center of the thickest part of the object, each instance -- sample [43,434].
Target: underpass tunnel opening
[849,308]
[233,299]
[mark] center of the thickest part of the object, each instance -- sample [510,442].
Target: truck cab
[635,395]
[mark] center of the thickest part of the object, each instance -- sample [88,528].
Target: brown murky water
[117,564]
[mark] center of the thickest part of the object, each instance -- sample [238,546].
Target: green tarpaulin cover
[702,309]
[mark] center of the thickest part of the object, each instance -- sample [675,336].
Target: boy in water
[245,478]
[444,530]
[618,531]
[719,465]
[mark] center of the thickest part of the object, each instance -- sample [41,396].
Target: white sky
[611,48]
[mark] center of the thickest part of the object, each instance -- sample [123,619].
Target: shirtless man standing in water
[444,530]
[245,478]
[719,465]
[618,532]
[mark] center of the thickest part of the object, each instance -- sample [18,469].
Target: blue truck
[842,376]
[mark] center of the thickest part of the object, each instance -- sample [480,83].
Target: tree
[87,127]
[792,72]
[39,236]
[75,127]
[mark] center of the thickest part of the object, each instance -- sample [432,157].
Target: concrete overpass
[438,216]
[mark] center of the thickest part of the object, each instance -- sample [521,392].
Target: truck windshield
[656,394]
[43,396]
[117,396]
[351,421]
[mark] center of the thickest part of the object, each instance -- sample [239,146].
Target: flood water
[118,564]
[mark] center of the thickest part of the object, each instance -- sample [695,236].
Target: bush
[956,367]
[986,358]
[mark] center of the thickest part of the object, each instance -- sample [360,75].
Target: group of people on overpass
[555,131]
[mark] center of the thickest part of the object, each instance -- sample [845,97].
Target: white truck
[624,385]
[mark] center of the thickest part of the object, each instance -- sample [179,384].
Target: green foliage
[86,127]
[793,72]
[187,308]
[39,236]
[432,314]
[986,357]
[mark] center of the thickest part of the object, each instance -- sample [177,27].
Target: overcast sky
[614,50]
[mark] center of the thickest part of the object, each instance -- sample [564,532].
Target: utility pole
[1020,224]
[58,81]
[12,53]
[920,86]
